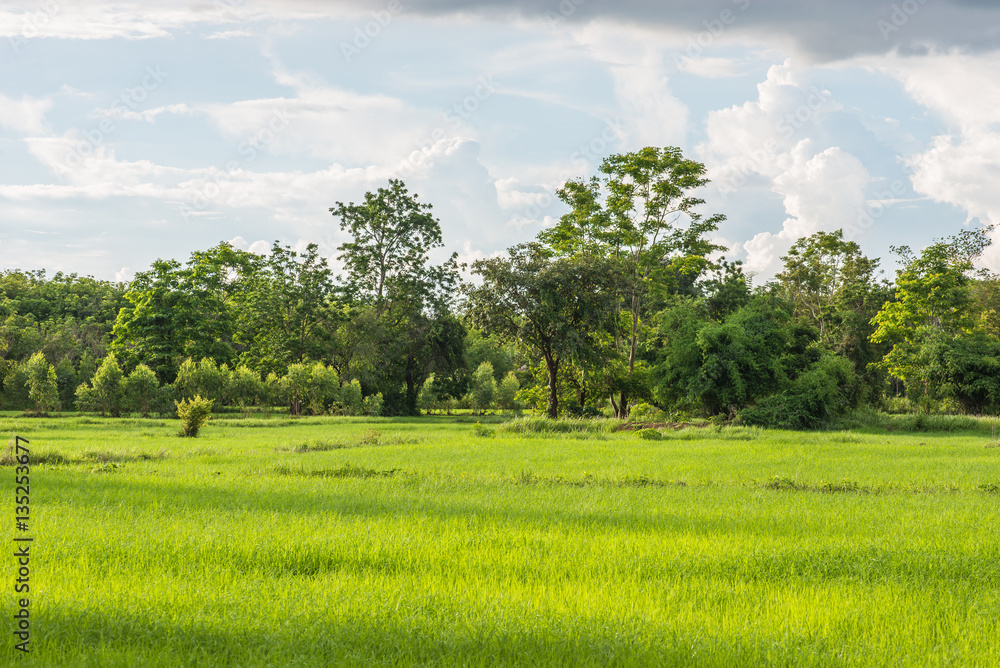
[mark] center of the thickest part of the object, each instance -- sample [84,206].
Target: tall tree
[401,329]
[933,298]
[285,310]
[386,259]
[558,306]
[647,224]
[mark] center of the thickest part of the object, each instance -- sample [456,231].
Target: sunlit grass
[338,542]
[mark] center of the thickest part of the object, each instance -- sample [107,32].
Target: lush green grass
[326,541]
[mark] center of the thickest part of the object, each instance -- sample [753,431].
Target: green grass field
[335,541]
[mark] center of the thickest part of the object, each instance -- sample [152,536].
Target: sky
[134,131]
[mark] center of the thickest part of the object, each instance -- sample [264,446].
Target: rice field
[337,541]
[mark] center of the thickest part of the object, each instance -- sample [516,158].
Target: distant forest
[623,308]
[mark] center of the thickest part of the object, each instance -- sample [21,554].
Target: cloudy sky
[132,131]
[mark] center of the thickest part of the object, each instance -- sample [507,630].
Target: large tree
[559,306]
[285,309]
[400,328]
[933,298]
[180,311]
[643,217]
[387,257]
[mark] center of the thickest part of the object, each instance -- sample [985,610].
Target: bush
[822,393]
[194,413]
[643,412]
[649,434]
[372,404]
[506,393]
[42,384]
[484,387]
[350,397]
[140,389]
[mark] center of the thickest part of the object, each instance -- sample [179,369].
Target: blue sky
[135,131]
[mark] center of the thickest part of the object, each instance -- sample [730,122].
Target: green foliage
[742,358]
[324,388]
[140,390]
[386,260]
[649,434]
[284,309]
[648,193]
[105,393]
[558,307]
[825,391]
[483,431]
[246,388]
[932,294]
[428,399]
[176,312]
[43,387]
[484,387]
[295,387]
[372,405]
[506,393]
[350,398]
[194,413]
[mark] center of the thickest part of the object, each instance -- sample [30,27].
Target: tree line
[624,306]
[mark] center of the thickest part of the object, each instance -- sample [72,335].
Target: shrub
[194,413]
[372,404]
[822,393]
[350,397]
[43,387]
[106,388]
[427,399]
[484,387]
[649,434]
[506,393]
[140,389]
[482,431]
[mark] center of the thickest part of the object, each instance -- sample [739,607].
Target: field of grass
[339,541]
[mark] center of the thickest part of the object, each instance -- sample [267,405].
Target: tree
[506,394]
[246,388]
[933,297]
[105,391]
[401,329]
[428,400]
[637,226]
[484,387]
[386,260]
[176,312]
[557,306]
[43,387]
[140,389]
[285,310]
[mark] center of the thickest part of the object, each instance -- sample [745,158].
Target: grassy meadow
[431,541]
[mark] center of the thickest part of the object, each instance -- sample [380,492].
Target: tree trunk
[552,364]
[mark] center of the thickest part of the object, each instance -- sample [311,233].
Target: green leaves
[386,260]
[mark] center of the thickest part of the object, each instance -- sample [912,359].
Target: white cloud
[26,115]
[962,166]
[712,68]
[650,114]
[229,34]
